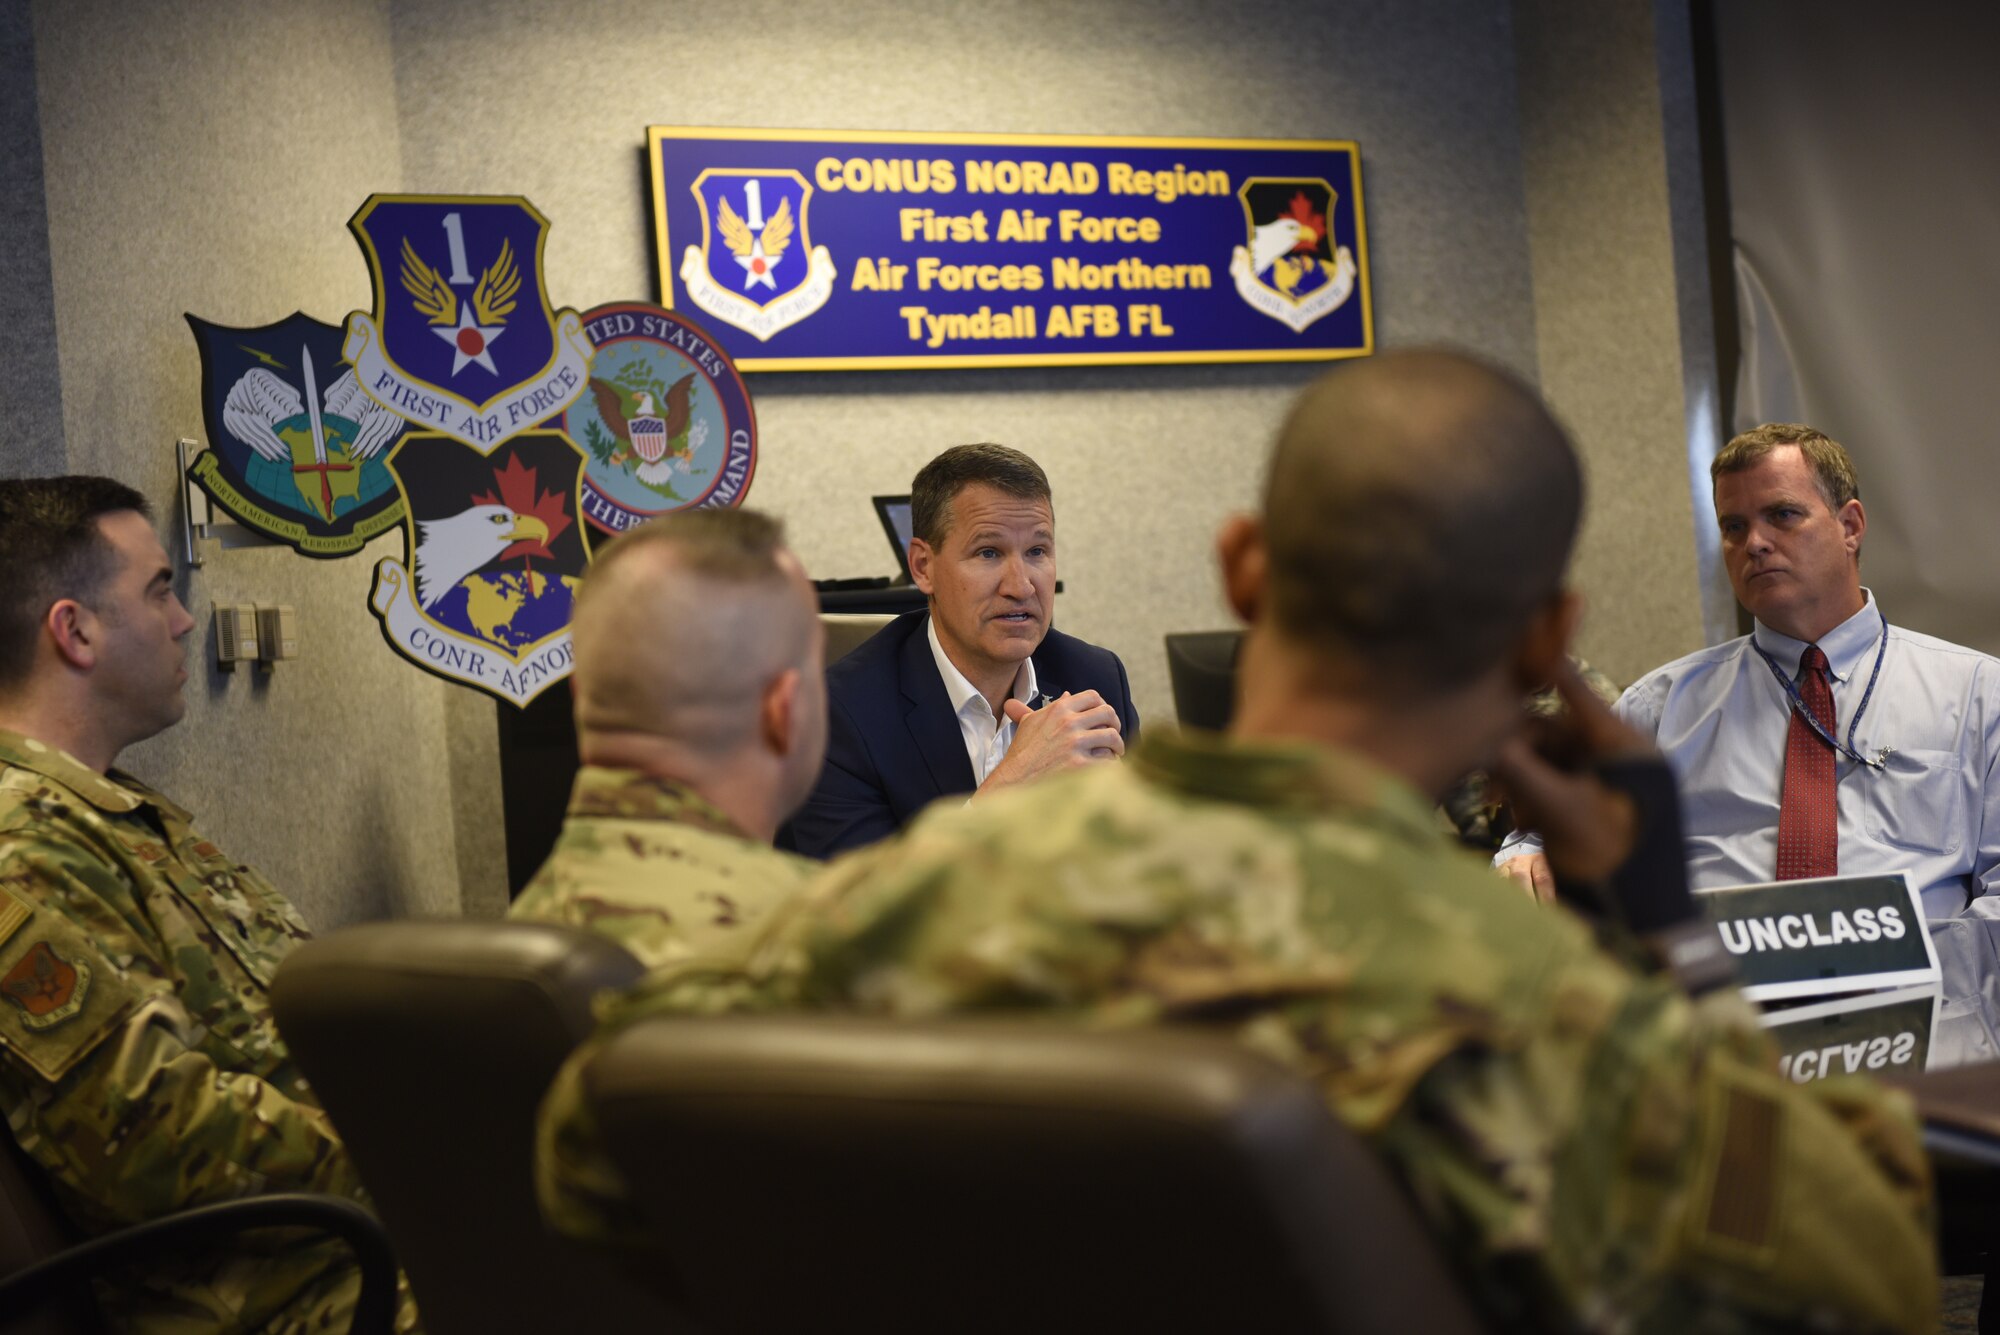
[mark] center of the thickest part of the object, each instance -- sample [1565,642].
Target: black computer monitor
[894,512]
[1202,667]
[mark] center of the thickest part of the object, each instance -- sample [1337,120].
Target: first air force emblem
[463,340]
[295,445]
[1291,268]
[756,267]
[455,410]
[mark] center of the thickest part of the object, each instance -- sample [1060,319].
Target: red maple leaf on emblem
[518,492]
[1302,213]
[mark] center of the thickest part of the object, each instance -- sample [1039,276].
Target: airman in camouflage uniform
[656,867]
[1594,1147]
[1560,1121]
[140,1067]
[701,723]
[139,1063]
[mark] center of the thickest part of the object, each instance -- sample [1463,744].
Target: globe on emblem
[649,437]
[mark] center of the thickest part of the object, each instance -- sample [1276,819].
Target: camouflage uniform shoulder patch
[59,996]
[48,988]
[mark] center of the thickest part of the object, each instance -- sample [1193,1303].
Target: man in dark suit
[977,692]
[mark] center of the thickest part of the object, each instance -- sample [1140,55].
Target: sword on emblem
[319,464]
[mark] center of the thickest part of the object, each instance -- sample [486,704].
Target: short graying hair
[938,483]
[1832,470]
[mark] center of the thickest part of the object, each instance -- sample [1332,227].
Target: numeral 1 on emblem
[454,232]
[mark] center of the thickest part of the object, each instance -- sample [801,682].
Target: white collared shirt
[986,737]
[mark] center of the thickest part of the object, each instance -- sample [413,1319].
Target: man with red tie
[1829,741]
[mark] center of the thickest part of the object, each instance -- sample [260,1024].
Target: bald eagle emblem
[647,425]
[1291,266]
[756,267]
[495,554]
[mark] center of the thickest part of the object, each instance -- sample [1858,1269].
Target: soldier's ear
[778,721]
[75,631]
[1246,565]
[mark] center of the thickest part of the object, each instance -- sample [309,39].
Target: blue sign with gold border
[810,251]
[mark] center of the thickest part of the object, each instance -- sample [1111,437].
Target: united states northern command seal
[667,421]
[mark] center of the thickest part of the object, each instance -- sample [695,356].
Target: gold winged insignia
[426,286]
[735,231]
[777,231]
[493,299]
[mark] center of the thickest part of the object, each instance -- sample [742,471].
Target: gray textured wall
[1608,313]
[1145,461]
[1863,210]
[216,180]
[31,437]
[1513,208]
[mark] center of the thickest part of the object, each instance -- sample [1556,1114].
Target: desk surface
[1964,1098]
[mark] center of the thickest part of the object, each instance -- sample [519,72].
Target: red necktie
[1808,813]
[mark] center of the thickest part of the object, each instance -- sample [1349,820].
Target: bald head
[682,625]
[1420,507]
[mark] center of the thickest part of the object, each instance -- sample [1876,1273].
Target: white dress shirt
[986,737]
[1720,716]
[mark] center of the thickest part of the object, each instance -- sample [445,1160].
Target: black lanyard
[1799,703]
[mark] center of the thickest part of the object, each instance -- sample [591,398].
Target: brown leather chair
[1201,665]
[431,1044]
[848,631]
[818,1173]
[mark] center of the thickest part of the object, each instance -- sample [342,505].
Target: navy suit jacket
[893,743]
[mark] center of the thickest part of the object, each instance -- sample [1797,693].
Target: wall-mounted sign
[1881,1033]
[805,250]
[667,421]
[454,343]
[484,421]
[1824,936]
[296,446]
[493,554]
